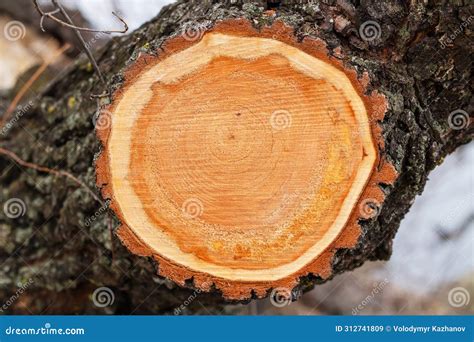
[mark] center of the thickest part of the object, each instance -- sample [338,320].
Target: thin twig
[30,82]
[79,36]
[68,175]
[44,16]
[39,168]
[77,30]
[98,96]
[51,16]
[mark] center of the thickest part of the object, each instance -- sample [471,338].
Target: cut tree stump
[242,159]
[245,153]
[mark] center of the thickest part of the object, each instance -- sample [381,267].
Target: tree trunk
[57,246]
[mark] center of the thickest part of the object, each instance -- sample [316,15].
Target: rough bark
[67,255]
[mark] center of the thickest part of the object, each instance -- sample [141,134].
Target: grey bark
[67,259]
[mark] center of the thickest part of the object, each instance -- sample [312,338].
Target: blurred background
[432,267]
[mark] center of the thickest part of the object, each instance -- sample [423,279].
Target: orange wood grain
[242,159]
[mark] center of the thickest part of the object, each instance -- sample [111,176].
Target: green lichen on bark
[68,255]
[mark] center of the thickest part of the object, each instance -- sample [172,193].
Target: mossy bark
[64,255]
